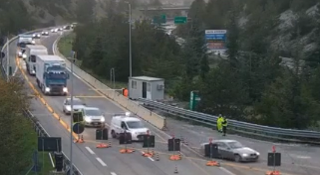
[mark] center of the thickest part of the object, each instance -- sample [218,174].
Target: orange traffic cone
[102,145]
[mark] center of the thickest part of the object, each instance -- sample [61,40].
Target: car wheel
[113,134]
[237,158]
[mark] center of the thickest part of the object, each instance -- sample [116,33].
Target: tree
[233,36]
[222,92]
[84,11]
[12,123]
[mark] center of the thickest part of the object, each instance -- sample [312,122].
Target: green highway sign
[180,19]
[160,19]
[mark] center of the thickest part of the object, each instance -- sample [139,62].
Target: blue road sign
[216,39]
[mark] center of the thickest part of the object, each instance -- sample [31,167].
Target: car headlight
[68,108]
[19,53]
[34,73]
[244,155]
[87,119]
[24,56]
[102,119]
[258,153]
[33,41]
[33,35]
[47,89]
[65,89]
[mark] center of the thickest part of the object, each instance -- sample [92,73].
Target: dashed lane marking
[101,162]
[89,150]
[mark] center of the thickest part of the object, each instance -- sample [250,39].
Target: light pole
[130,38]
[8,60]
[113,78]
[71,118]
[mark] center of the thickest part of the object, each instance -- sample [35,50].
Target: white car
[36,35]
[234,150]
[132,125]
[77,105]
[22,54]
[55,30]
[93,117]
[45,33]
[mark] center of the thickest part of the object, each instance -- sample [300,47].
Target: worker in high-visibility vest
[224,125]
[125,92]
[219,123]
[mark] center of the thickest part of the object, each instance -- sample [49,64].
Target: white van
[121,122]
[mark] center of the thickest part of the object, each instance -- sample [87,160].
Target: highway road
[109,161]
[297,159]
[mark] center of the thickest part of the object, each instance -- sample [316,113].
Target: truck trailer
[52,74]
[31,51]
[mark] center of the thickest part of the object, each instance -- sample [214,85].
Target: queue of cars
[94,117]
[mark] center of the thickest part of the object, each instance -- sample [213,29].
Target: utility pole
[71,118]
[130,42]
[8,60]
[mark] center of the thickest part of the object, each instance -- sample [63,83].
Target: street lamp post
[71,118]
[130,42]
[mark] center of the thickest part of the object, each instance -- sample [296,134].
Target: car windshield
[75,102]
[235,145]
[135,124]
[93,112]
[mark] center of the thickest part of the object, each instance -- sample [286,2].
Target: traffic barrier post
[125,140]
[176,148]
[147,144]
[211,162]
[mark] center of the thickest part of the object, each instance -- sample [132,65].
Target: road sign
[180,19]
[160,19]
[78,128]
[216,40]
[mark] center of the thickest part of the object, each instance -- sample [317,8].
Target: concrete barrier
[147,115]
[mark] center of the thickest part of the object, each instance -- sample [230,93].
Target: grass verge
[31,144]
[65,47]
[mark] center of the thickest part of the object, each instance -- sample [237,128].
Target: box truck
[25,40]
[52,74]
[31,51]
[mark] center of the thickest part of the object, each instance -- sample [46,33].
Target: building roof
[146,78]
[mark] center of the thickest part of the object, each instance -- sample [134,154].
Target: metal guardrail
[37,126]
[288,135]
[43,133]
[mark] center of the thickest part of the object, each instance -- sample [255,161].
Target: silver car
[234,150]
[77,105]
[93,117]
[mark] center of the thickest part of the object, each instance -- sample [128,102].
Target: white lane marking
[150,158]
[89,150]
[227,171]
[113,173]
[299,156]
[101,162]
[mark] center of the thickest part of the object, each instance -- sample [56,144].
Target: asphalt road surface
[86,156]
[90,160]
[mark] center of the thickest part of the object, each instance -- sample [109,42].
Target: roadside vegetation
[19,139]
[252,83]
